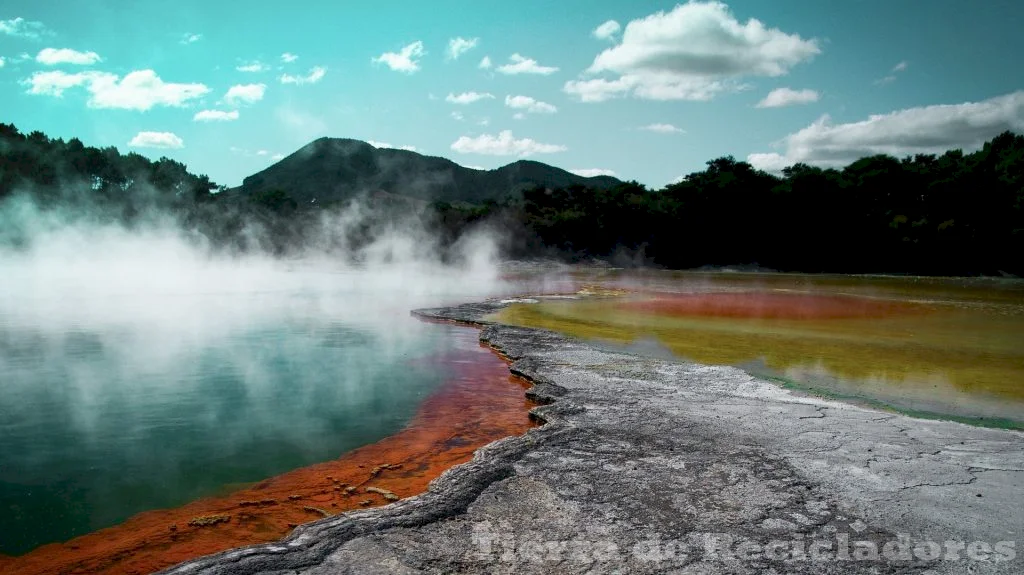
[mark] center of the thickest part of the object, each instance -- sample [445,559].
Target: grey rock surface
[654,466]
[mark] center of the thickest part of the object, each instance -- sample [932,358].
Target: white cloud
[55,83]
[519,64]
[529,104]
[139,90]
[458,116]
[504,144]
[21,28]
[54,56]
[316,74]
[780,97]
[607,31]
[485,64]
[164,140]
[459,46]
[923,130]
[257,153]
[2,61]
[244,94]
[677,180]
[692,52]
[468,97]
[663,129]
[288,57]
[519,116]
[254,66]
[386,145]
[900,67]
[406,60]
[189,38]
[215,116]
[484,122]
[592,172]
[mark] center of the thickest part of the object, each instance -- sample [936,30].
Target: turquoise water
[112,404]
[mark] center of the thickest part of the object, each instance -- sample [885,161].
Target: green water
[949,348]
[110,406]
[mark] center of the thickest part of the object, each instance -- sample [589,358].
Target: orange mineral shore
[479,404]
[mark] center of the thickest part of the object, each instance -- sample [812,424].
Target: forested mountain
[953,214]
[330,170]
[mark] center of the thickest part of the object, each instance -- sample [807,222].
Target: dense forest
[954,214]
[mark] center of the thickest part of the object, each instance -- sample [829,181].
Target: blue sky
[649,97]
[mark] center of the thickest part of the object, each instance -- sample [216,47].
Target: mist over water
[140,368]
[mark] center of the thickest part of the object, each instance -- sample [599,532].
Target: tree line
[949,214]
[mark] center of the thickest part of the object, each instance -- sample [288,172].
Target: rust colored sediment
[480,404]
[771,306]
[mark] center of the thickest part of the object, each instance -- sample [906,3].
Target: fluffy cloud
[923,130]
[504,144]
[457,116]
[215,116]
[386,145]
[163,140]
[780,97]
[288,57]
[663,129]
[2,61]
[255,66]
[529,104]
[518,64]
[692,52]
[139,90]
[189,38]
[459,46]
[468,97]
[485,64]
[316,74]
[607,31]
[244,94]
[592,172]
[21,28]
[54,56]
[406,60]
[55,83]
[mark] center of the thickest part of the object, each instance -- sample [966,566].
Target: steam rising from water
[141,368]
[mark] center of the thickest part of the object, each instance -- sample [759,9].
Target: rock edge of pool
[647,466]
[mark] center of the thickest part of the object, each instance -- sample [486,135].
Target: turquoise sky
[678,84]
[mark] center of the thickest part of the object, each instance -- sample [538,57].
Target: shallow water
[115,404]
[951,348]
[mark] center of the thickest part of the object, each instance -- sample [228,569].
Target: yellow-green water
[941,347]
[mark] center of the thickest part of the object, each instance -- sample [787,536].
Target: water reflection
[948,347]
[115,404]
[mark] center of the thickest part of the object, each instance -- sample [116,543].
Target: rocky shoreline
[651,466]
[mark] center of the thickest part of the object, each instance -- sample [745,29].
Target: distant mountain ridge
[334,169]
